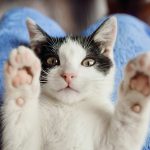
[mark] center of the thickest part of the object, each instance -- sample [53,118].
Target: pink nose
[68,77]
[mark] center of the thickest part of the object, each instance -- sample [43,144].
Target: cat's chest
[66,128]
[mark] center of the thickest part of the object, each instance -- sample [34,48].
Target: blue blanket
[133,38]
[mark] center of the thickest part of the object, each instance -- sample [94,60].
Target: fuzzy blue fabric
[133,38]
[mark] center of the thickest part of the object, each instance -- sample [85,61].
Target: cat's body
[72,109]
[76,127]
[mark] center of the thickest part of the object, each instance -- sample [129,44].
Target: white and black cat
[71,108]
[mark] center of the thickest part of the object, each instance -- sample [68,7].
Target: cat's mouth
[67,89]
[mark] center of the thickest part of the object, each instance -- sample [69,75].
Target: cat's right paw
[22,72]
[136,84]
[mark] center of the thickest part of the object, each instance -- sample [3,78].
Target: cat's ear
[105,35]
[35,32]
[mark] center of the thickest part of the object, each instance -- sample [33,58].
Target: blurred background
[75,15]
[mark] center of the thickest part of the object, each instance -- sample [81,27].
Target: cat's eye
[52,61]
[88,62]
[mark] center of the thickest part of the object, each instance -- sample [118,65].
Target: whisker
[44,71]
[43,77]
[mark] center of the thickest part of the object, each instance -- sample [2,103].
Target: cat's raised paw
[136,82]
[22,72]
[137,74]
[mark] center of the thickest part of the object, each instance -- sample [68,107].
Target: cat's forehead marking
[70,49]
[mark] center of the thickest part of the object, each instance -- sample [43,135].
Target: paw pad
[136,108]
[140,83]
[20,102]
[22,77]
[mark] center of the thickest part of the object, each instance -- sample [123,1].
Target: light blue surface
[133,38]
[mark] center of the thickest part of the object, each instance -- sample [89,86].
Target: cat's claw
[22,72]
[136,84]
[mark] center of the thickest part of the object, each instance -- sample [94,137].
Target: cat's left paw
[22,71]
[136,84]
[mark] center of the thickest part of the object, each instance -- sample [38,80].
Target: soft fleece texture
[133,38]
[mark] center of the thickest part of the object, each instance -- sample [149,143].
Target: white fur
[68,120]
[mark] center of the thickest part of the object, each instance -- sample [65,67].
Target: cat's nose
[68,77]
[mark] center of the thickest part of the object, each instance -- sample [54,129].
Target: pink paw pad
[136,108]
[20,102]
[22,77]
[140,83]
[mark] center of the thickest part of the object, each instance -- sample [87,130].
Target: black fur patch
[46,49]
[93,50]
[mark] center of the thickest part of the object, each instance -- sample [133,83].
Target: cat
[57,94]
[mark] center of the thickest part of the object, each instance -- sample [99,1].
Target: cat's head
[76,68]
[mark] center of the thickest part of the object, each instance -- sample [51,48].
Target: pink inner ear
[32,34]
[31,27]
[106,52]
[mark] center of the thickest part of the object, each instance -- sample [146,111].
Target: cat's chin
[66,95]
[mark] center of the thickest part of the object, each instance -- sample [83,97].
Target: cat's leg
[129,124]
[20,110]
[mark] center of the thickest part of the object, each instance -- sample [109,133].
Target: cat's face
[75,68]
